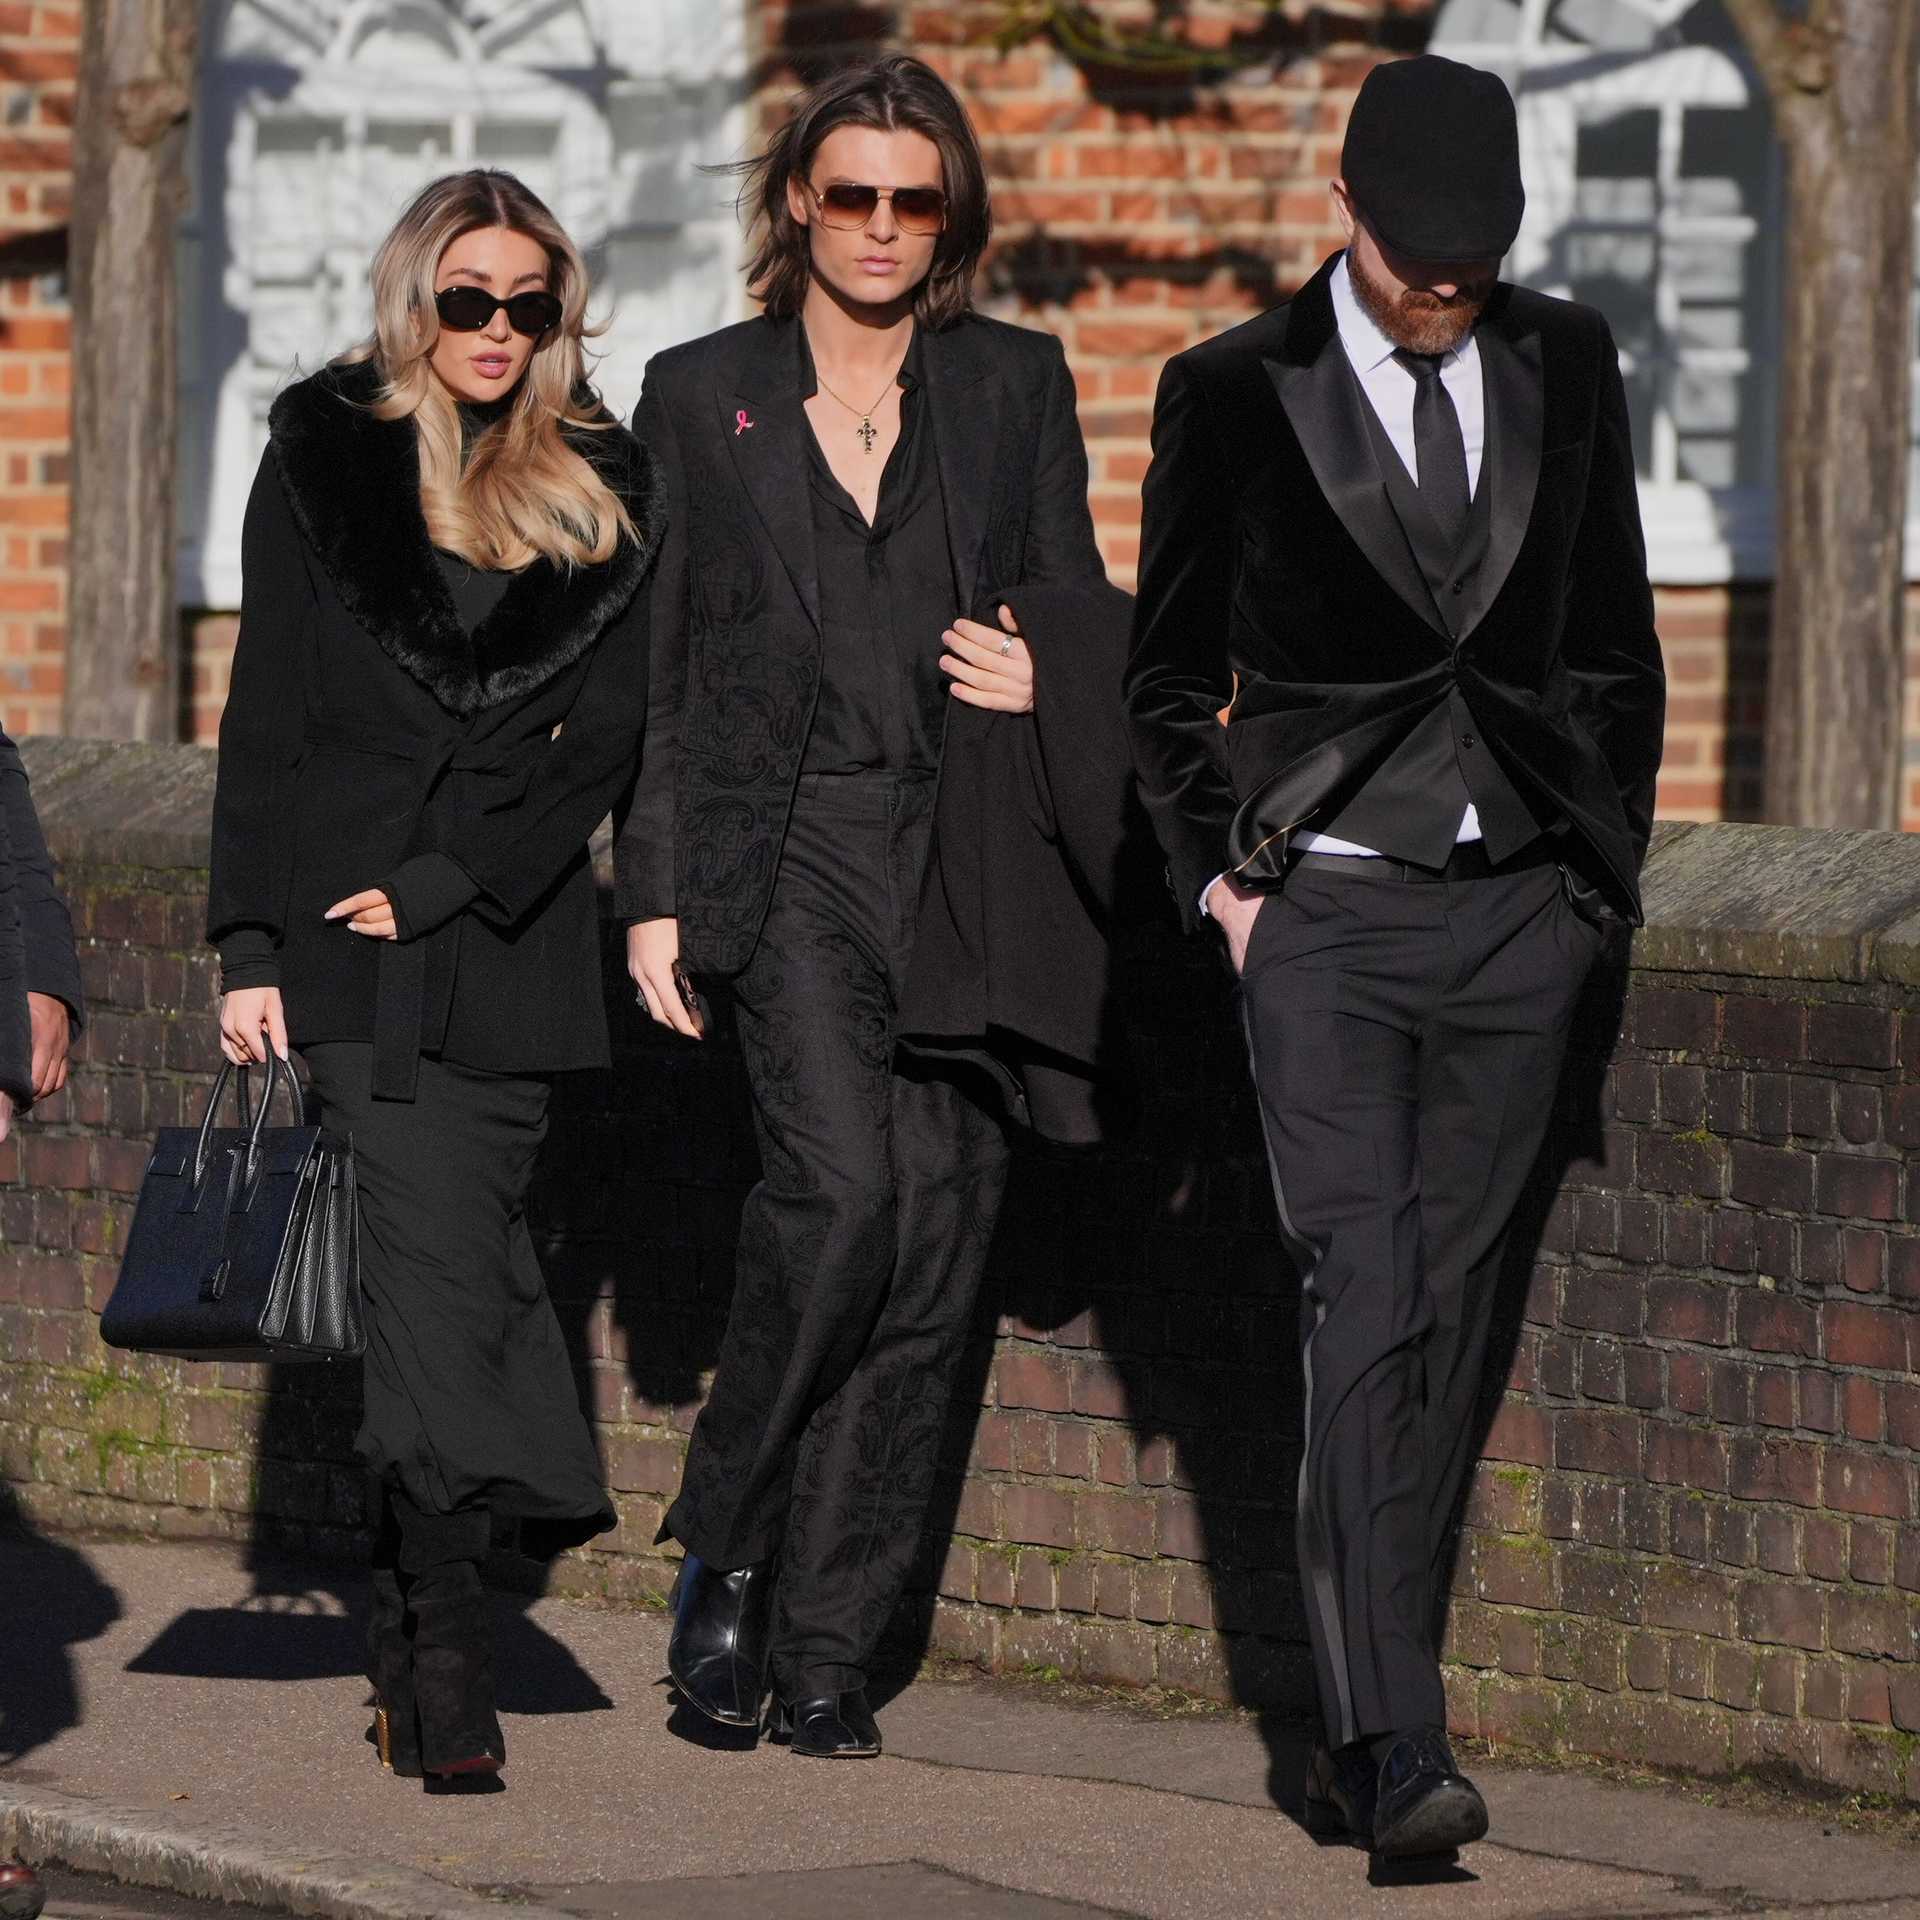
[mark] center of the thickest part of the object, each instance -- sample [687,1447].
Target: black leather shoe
[1340,1794]
[827,1726]
[718,1653]
[1426,1804]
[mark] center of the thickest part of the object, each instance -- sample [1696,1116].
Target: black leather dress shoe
[1426,1804]
[1340,1794]
[827,1726]
[718,1651]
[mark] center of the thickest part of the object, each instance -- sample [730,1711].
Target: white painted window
[1654,193]
[318,119]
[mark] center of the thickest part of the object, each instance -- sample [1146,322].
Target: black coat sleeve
[1179,675]
[46,931]
[1609,643]
[1060,544]
[261,732]
[579,778]
[643,863]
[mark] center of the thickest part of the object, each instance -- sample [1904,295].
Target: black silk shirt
[886,596]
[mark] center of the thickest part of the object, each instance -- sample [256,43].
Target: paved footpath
[168,1717]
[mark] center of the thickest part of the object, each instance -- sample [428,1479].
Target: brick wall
[1694,1538]
[39,62]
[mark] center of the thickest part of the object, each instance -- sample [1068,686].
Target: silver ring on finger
[1006,646]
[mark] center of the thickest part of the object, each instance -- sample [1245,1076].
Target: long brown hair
[893,93]
[523,494]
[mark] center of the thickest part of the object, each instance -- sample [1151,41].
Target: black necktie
[1438,448]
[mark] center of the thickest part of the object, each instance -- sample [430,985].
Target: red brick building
[1139,207]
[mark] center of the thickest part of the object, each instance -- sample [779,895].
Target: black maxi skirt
[470,1395]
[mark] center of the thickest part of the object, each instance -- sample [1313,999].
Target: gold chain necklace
[866,429]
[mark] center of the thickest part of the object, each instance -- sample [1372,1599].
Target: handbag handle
[259,1119]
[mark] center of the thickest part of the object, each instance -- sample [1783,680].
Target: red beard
[1420,322]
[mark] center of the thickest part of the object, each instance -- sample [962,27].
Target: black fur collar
[353,482]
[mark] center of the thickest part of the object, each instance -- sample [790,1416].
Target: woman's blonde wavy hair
[523,494]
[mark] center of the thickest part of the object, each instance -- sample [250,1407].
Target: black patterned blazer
[735,662]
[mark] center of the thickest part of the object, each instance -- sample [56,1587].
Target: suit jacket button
[1459,586]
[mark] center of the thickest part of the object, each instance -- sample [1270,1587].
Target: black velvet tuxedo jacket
[736,644]
[36,935]
[1275,576]
[369,740]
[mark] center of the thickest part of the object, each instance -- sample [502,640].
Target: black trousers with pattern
[861,1249]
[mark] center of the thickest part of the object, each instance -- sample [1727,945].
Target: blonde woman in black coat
[437,694]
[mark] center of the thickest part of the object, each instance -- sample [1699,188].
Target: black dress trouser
[1406,1041]
[470,1402]
[861,1249]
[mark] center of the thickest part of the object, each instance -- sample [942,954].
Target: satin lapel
[965,411]
[1323,400]
[765,427]
[1515,396]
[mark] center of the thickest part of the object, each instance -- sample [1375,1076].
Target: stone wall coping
[1770,903]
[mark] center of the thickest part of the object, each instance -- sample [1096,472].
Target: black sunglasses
[917,210]
[468,309]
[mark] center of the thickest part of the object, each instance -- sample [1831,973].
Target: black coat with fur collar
[370,741]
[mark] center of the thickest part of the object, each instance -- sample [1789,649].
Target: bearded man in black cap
[1392,528]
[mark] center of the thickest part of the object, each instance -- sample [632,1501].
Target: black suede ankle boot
[395,1732]
[449,1620]
[453,1672]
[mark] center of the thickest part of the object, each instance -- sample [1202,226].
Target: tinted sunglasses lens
[464,309]
[842,205]
[919,209]
[533,313]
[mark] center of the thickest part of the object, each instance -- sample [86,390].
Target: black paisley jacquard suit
[862,1247]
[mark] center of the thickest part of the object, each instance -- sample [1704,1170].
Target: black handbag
[246,1241]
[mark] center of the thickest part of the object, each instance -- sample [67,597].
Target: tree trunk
[136,81]
[1844,95]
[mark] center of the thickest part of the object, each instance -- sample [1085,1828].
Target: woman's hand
[370,913]
[653,952]
[989,669]
[6,1115]
[245,1015]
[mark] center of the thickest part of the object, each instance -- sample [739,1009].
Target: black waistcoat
[1411,806]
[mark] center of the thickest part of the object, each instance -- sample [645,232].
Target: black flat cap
[1432,158]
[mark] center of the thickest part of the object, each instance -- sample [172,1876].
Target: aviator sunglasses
[916,210]
[468,309]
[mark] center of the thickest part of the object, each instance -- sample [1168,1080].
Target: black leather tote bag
[246,1241]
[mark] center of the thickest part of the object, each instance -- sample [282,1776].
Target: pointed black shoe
[827,1726]
[718,1652]
[1426,1804]
[1340,1794]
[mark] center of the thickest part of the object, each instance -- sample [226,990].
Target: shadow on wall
[50,1600]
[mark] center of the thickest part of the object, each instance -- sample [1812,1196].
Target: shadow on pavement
[50,1599]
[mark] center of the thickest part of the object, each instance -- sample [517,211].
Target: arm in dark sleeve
[1179,675]
[580,776]
[643,852]
[260,742]
[1060,543]
[1610,646]
[46,931]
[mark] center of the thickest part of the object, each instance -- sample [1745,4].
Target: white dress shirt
[1390,390]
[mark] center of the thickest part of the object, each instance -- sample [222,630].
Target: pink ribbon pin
[740,423]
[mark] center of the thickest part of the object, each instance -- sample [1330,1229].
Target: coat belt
[400,992]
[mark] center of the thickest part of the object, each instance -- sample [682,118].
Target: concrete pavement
[171,1717]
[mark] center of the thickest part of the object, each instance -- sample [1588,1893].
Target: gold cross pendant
[866,431]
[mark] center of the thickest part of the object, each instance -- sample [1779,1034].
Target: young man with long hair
[853,474]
